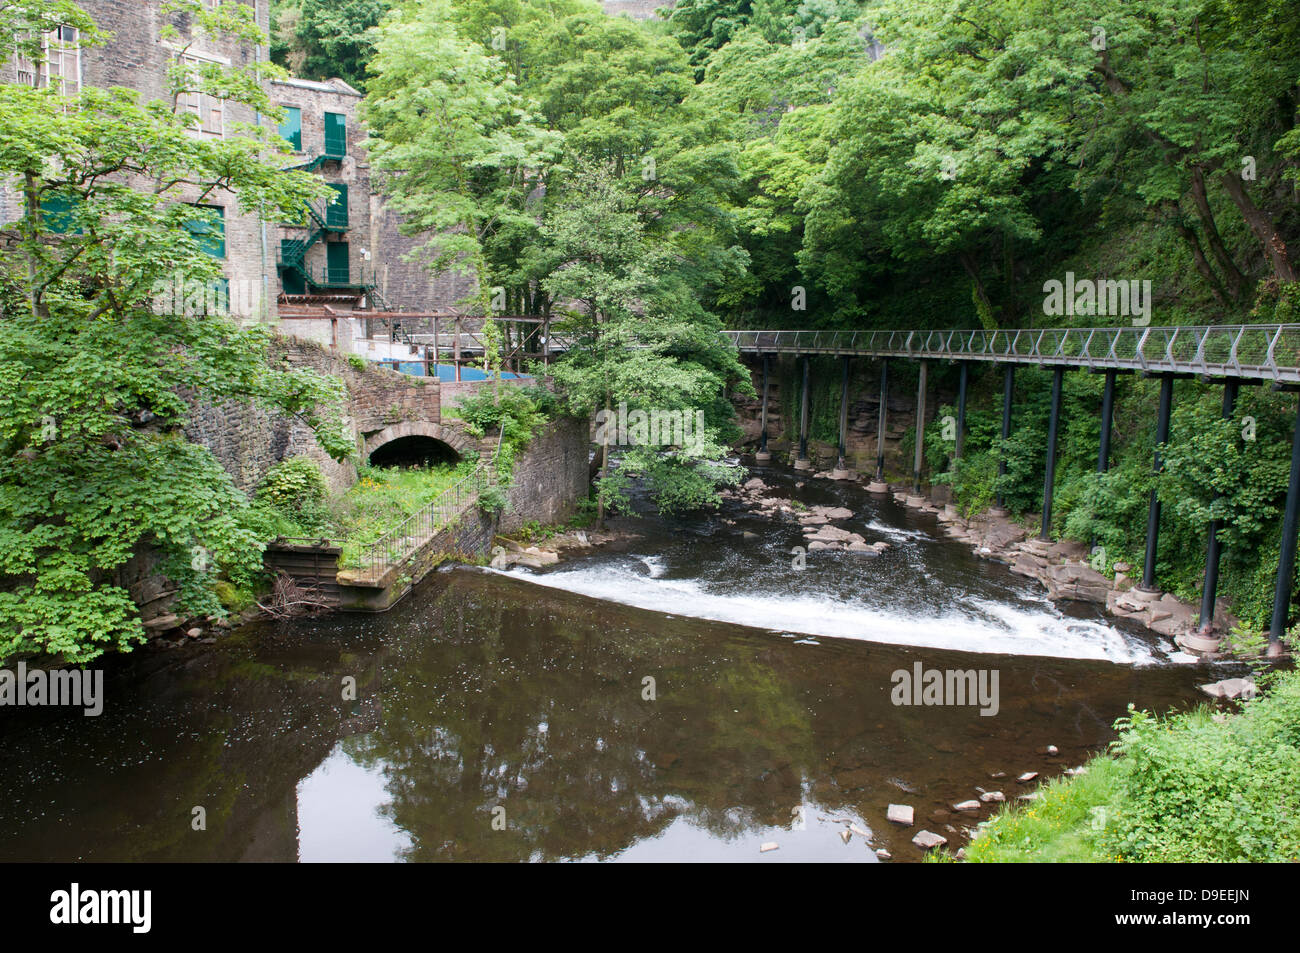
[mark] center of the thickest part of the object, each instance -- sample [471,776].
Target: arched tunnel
[413,451]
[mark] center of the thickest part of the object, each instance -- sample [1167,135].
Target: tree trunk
[1234,280]
[1262,226]
[969,264]
[1202,263]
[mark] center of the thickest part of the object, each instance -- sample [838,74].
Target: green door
[336,213]
[291,280]
[336,135]
[337,271]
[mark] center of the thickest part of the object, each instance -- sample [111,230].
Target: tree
[96,376]
[323,39]
[643,341]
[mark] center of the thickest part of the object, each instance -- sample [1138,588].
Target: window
[210,109]
[211,234]
[336,135]
[56,215]
[291,128]
[60,67]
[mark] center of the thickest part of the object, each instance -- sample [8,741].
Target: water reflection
[488,698]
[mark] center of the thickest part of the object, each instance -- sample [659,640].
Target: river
[685,695]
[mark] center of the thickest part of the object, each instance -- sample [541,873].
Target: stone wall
[550,477]
[249,440]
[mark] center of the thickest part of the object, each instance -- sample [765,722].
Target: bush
[1192,787]
[294,485]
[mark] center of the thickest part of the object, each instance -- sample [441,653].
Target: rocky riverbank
[1063,567]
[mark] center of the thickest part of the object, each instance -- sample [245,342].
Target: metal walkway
[1260,352]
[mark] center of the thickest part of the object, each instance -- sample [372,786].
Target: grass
[1199,786]
[382,499]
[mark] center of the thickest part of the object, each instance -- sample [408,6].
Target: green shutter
[56,215]
[336,213]
[336,135]
[291,128]
[211,234]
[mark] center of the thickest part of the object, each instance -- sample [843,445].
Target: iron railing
[400,543]
[1261,351]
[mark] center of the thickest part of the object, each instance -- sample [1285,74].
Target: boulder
[927,840]
[900,814]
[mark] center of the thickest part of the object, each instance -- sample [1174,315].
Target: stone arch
[456,439]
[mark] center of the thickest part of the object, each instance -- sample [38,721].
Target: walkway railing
[1264,351]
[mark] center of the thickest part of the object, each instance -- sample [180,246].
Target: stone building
[349,255]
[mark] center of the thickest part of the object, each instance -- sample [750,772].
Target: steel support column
[1107,418]
[844,413]
[963,375]
[1286,562]
[1008,387]
[1153,508]
[881,421]
[1213,550]
[802,462]
[918,456]
[1053,428]
[763,456]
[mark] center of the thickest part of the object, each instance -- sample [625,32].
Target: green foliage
[295,484]
[96,381]
[514,414]
[323,39]
[381,499]
[1187,788]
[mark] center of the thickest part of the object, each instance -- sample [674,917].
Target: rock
[1075,772]
[998,774]
[900,814]
[770,845]
[162,623]
[864,834]
[846,836]
[832,512]
[1053,751]
[961,853]
[883,854]
[1122,568]
[749,537]
[1027,777]
[1031,796]
[195,632]
[1230,688]
[927,840]
[988,797]
[818,544]
[754,483]
[971,805]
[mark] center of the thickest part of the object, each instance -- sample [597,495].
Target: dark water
[488,691]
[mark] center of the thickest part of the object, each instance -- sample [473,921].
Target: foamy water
[968,624]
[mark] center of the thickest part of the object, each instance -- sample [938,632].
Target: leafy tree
[322,39]
[97,379]
[642,340]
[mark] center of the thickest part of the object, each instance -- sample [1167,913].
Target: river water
[686,695]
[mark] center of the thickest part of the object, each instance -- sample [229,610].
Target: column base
[762,458]
[1001,512]
[803,463]
[1276,650]
[1145,595]
[877,486]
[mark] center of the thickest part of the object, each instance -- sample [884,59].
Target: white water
[969,624]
